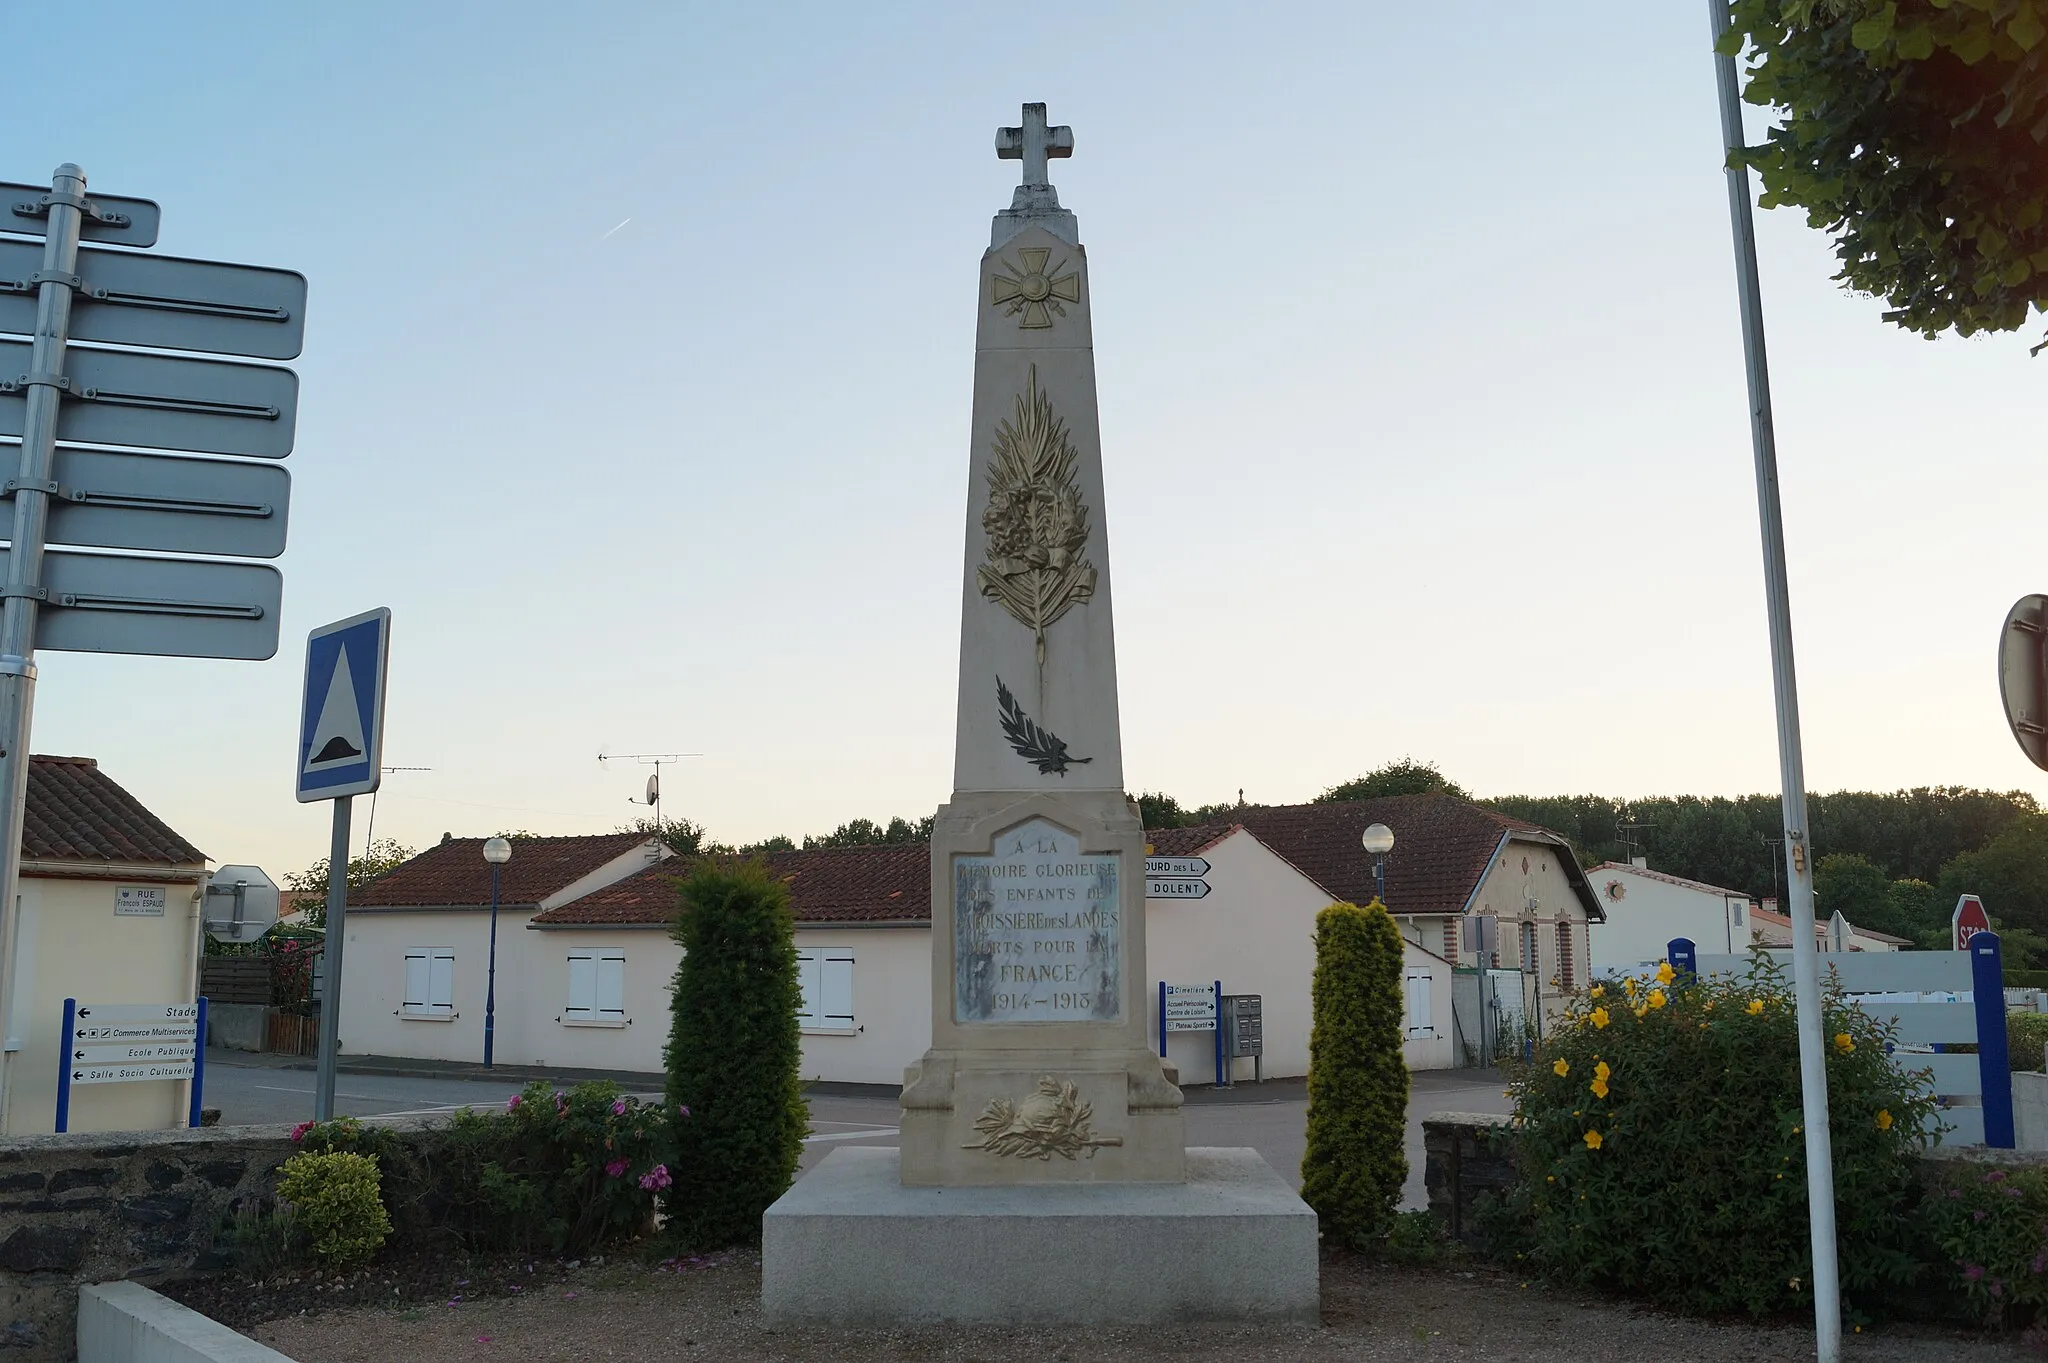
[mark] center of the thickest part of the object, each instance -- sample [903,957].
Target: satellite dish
[241,904]
[654,789]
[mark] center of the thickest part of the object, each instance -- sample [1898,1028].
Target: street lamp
[497,851]
[1378,841]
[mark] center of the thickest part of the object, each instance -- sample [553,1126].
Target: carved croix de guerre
[1036,522]
[1052,1121]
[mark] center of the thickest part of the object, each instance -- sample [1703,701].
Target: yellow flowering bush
[1660,1148]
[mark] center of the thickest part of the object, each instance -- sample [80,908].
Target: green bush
[2025,1036]
[334,1204]
[1660,1150]
[1989,1228]
[734,1055]
[1357,1078]
[1418,1239]
[558,1171]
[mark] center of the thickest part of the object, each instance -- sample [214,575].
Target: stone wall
[1466,1156]
[89,1207]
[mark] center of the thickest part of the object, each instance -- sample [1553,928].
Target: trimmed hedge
[2025,1036]
[1357,1077]
[734,1055]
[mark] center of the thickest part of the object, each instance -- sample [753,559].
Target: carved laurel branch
[1036,522]
[1035,744]
[1052,1121]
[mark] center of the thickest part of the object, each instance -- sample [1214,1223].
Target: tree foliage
[1405,777]
[379,858]
[733,1054]
[1916,133]
[868,833]
[1357,1077]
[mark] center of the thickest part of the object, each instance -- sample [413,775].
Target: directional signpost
[54,292]
[340,755]
[1175,877]
[131,1043]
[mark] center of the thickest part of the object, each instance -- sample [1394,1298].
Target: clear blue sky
[1423,411]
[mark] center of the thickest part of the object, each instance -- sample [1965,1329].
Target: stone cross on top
[1033,144]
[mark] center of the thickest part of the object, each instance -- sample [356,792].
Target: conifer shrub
[334,1205]
[1357,1077]
[1660,1146]
[735,1092]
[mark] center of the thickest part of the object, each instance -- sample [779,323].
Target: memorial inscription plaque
[1036,931]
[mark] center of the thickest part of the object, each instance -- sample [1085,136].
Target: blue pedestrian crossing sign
[341,722]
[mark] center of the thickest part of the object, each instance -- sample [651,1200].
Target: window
[429,983]
[1419,1024]
[1564,955]
[827,977]
[597,989]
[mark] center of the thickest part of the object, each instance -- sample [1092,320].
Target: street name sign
[2023,675]
[110,500]
[159,402]
[107,217]
[1176,889]
[170,607]
[166,302]
[1176,867]
[341,720]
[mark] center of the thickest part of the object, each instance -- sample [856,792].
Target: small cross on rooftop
[1033,144]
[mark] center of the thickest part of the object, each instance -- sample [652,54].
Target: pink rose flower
[619,1108]
[512,1103]
[656,1178]
[618,1167]
[299,1131]
[683,1110]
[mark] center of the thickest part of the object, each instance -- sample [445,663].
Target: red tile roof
[1442,846]
[454,874]
[1187,842]
[76,812]
[881,883]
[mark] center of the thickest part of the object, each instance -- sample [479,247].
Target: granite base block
[850,1245]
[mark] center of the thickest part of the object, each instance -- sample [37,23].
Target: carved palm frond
[1028,740]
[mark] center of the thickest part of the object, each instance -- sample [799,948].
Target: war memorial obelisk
[1043,1175]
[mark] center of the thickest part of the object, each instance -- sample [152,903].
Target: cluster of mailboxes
[1243,1026]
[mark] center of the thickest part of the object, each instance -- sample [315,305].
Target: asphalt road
[1274,1126]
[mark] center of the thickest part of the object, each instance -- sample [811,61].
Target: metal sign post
[1813,1077]
[340,756]
[57,293]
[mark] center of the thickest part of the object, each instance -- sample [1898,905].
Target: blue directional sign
[341,723]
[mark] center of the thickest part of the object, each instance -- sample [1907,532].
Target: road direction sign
[134,1033]
[108,217]
[1176,867]
[1176,889]
[2023,675]
[241,904]
[341,722]
[1188,1007]
[160,402]
[171,607]
[110,500]
[166,302]
[131,1074]
[132,1053]
[99,1013]
[1968,920]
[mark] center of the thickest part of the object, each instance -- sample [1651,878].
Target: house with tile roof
[1647,909]
[418,957]
[109,910]
[864,947]
[1453,862]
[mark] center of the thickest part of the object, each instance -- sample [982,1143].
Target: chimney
[1640,863]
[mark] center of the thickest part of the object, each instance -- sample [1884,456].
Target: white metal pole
[1813,1079]
[330,961]
[25,566]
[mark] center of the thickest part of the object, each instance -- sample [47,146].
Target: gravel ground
[712,1312]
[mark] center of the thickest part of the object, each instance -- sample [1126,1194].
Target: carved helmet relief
[1036,565]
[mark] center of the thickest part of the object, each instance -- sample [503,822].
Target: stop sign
[1969,920]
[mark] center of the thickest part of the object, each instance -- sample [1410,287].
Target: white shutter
[416,982]
[611,986]
[809,978]
[836,991]
[1419,1023]
[582,987]
[441,983]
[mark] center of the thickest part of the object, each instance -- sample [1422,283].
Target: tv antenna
[1628,833]
[370,825]
[652,796]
